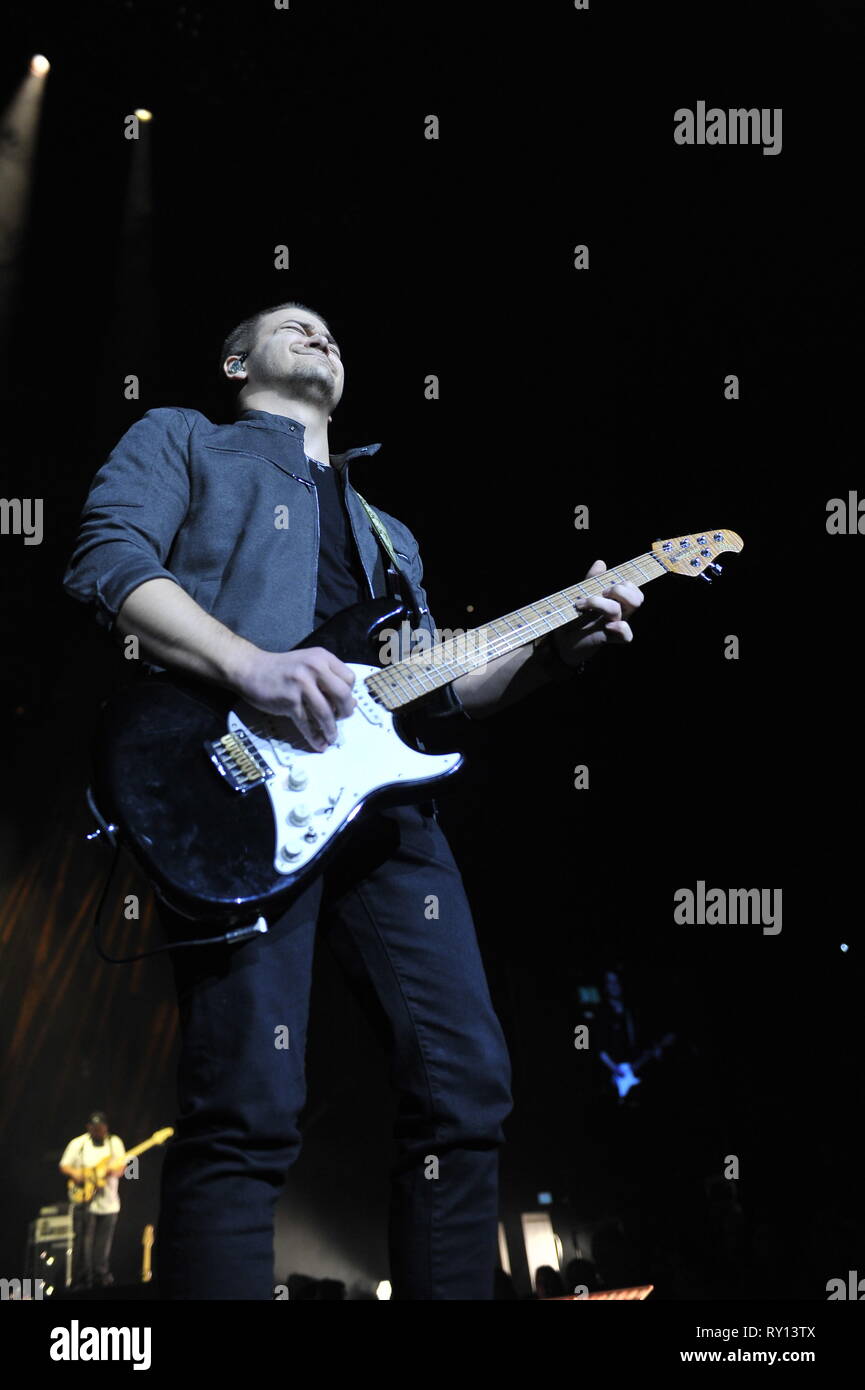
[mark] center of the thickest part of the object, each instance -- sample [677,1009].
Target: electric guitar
[624,1073]
[94,1178]
[147,1255]
[229,812]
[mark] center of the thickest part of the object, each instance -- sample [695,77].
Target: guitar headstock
[160,1135]
[697,553]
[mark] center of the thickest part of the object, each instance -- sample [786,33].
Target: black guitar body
[207,849]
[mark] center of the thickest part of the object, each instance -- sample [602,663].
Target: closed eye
[301,329]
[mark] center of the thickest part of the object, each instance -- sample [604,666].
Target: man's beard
[316,386]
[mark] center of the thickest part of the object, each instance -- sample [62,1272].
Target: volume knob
[298,815]
[297,779]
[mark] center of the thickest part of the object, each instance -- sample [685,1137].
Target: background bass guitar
[624,1074]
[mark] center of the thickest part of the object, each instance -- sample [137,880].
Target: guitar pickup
[237,759]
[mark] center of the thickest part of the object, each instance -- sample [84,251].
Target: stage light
[844,946]
[540,1241]
[39,65]
[143,114]
[504,1254]
[383,1290]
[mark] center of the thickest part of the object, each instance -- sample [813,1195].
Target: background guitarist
[616,1027]
[94,1220]
[181,548]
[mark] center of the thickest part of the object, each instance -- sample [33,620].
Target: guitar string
[393,678]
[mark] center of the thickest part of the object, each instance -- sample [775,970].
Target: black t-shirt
[341,580]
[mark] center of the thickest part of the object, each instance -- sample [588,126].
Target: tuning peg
[715,567]
[707,577]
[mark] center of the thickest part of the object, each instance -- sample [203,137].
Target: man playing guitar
[219,548]
[94,1219]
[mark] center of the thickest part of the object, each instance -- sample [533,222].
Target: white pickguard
[367,756]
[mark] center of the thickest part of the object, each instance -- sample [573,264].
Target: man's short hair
[242,338]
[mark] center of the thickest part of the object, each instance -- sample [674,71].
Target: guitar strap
[380,530]
[383,535]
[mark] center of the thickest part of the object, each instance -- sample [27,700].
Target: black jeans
[91,1249]
[396,914]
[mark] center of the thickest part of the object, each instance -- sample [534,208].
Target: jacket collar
[262,419]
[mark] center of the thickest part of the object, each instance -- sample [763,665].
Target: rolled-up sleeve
[135,507]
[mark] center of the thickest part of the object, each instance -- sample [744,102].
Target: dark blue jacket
[230,513]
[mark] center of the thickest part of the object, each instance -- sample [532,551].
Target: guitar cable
[226,938]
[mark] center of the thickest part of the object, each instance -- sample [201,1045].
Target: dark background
[558,388]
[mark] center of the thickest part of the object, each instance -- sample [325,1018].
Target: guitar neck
[141,1148]
[650,1051]
[443,662]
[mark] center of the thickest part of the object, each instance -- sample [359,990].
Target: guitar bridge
[237,759]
